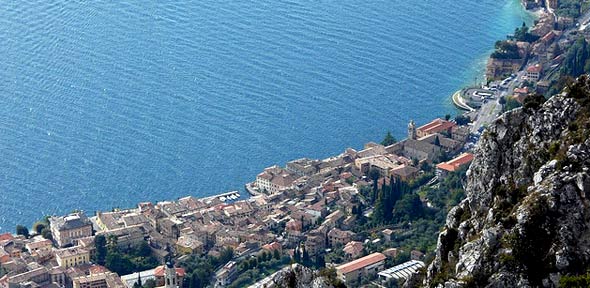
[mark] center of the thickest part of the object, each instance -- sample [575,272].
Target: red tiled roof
[548,37]
[97,269]
[6,236]
[161,270]
[272,246]
[524,90]
[454,164]
[534,69]
[361,263]
[437,125]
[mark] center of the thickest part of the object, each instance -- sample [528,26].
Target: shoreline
[248,193]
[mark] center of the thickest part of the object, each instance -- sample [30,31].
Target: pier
[224,197]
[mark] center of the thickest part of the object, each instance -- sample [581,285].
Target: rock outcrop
[299,276]
[526,219]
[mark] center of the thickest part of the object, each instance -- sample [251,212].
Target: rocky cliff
[525,220]
[298,276]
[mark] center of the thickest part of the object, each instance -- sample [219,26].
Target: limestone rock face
[526,219]
[299,277]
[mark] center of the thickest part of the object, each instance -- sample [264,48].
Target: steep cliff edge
[526,218]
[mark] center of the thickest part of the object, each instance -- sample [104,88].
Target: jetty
[224,197]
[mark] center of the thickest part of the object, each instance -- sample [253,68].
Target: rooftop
[435,126]
[69,252]
[403,270]
[72,221]
[455,164]
[361,263]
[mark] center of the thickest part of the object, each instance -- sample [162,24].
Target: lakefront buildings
[311,206]
[67,229]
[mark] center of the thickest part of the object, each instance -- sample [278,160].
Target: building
[353,249]
[100,280]
[382,163]
[274,180]
[499,67]
[339,237]
[189,244]
[365,267]
[36,277]
[226,275]
[412,130]
[303,167]
[73,256]
[533,73]
[315,243]
[388,234]
[405,172]
[66,230]
[420,150]
[401,271]
[127,237]
[168,276]
[44,245]
[435,126]
[130,279]
[443,169]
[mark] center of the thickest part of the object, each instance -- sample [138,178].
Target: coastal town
[329,214]
[307,207]
[528,62]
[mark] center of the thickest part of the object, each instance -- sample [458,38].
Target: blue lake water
[107,103]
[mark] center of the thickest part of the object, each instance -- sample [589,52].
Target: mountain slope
[526,218]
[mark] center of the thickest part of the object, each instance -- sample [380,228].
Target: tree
[533,102]
[447,117]
[462,120]
[505,50]
[39,226]
[226,255]
[305,258]
[576,59]
[374,174]
[522,34]
[276,254]
[436,141]
[320,261]
[388,140]
[100,243]
[150,283]
[137,284]
[22,230]
[296,255]
[46,233]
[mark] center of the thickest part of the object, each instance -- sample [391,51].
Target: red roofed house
[169,276]
[271,247]
[6,236]
[442,169]
[354,271]
[353,249]
[436,126]
[520,94]
[533,73]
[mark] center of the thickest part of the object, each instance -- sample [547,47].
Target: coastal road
[491,109]
[486,114]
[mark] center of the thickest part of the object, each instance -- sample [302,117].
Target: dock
[224,197]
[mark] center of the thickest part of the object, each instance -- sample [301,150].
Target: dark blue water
[104,104]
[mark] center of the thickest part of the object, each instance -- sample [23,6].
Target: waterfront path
[459,102]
